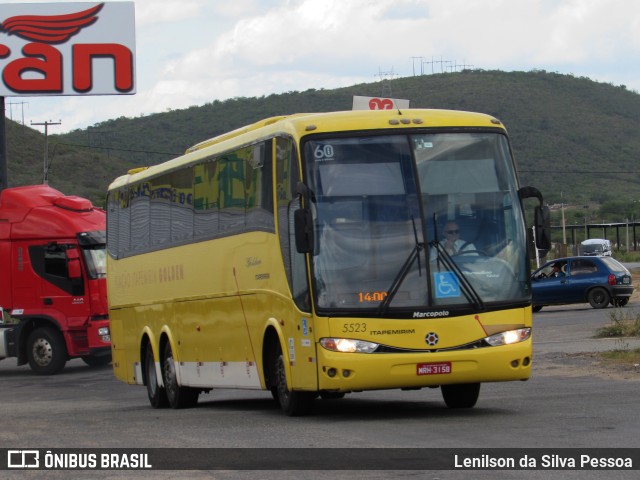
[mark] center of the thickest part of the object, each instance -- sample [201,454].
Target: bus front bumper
[358,371]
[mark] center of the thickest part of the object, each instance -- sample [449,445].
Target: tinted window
[614,265]
[583,267]
[223,195]
[287,177]
[50,263]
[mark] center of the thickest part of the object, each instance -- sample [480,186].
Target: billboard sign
[67,49]
[378,103]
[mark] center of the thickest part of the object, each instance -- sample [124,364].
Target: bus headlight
[347,345]
[509,337]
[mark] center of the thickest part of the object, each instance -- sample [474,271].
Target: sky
[192,52]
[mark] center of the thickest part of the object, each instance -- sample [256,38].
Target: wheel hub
[42,352]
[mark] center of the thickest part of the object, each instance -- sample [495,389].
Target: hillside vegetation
[569,134]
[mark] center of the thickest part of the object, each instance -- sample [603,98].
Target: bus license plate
[433,368]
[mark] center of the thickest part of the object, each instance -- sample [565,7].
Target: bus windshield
[385,206]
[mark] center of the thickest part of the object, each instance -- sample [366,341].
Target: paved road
[558,408]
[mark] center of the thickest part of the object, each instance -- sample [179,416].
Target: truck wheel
[46,351]
[179,397]
[157,394]
[94,361]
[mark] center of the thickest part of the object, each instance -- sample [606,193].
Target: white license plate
[433,368]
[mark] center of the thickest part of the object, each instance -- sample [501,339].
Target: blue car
[598,280]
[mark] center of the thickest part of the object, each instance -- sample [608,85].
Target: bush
[624,323]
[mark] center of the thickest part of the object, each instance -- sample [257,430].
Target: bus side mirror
[542,225]
[542,219]
[73,263]
[303,225]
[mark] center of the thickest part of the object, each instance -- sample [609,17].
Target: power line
[438,66]
[131,150]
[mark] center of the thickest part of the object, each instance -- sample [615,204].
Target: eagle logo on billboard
[50,28]
[54,52]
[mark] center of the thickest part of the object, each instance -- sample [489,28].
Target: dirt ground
[584,364]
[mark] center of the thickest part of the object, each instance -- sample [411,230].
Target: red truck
[52,279]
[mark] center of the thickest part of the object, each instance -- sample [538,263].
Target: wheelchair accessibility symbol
[447,285]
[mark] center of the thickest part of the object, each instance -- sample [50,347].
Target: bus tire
[331,395]
[46,351]
[464,395]
[598,298]
[157,394]
[178,397]
[292,403]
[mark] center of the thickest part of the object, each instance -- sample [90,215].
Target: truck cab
[54,283]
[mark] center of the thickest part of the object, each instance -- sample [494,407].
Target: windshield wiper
[406,267]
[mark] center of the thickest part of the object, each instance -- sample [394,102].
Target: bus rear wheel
[292,403]
[157,394]
[463,395]
[178,397]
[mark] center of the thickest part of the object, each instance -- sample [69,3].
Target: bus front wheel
[463,395]
[292,403]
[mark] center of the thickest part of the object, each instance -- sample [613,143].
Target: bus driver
[452,242]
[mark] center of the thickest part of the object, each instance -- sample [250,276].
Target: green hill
[569,134]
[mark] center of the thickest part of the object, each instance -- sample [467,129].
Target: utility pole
[4,183]
[413,60]
[45,174]
[11,104]
[564,231]
[385,77]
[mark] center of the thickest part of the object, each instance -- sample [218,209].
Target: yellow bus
[307,255]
